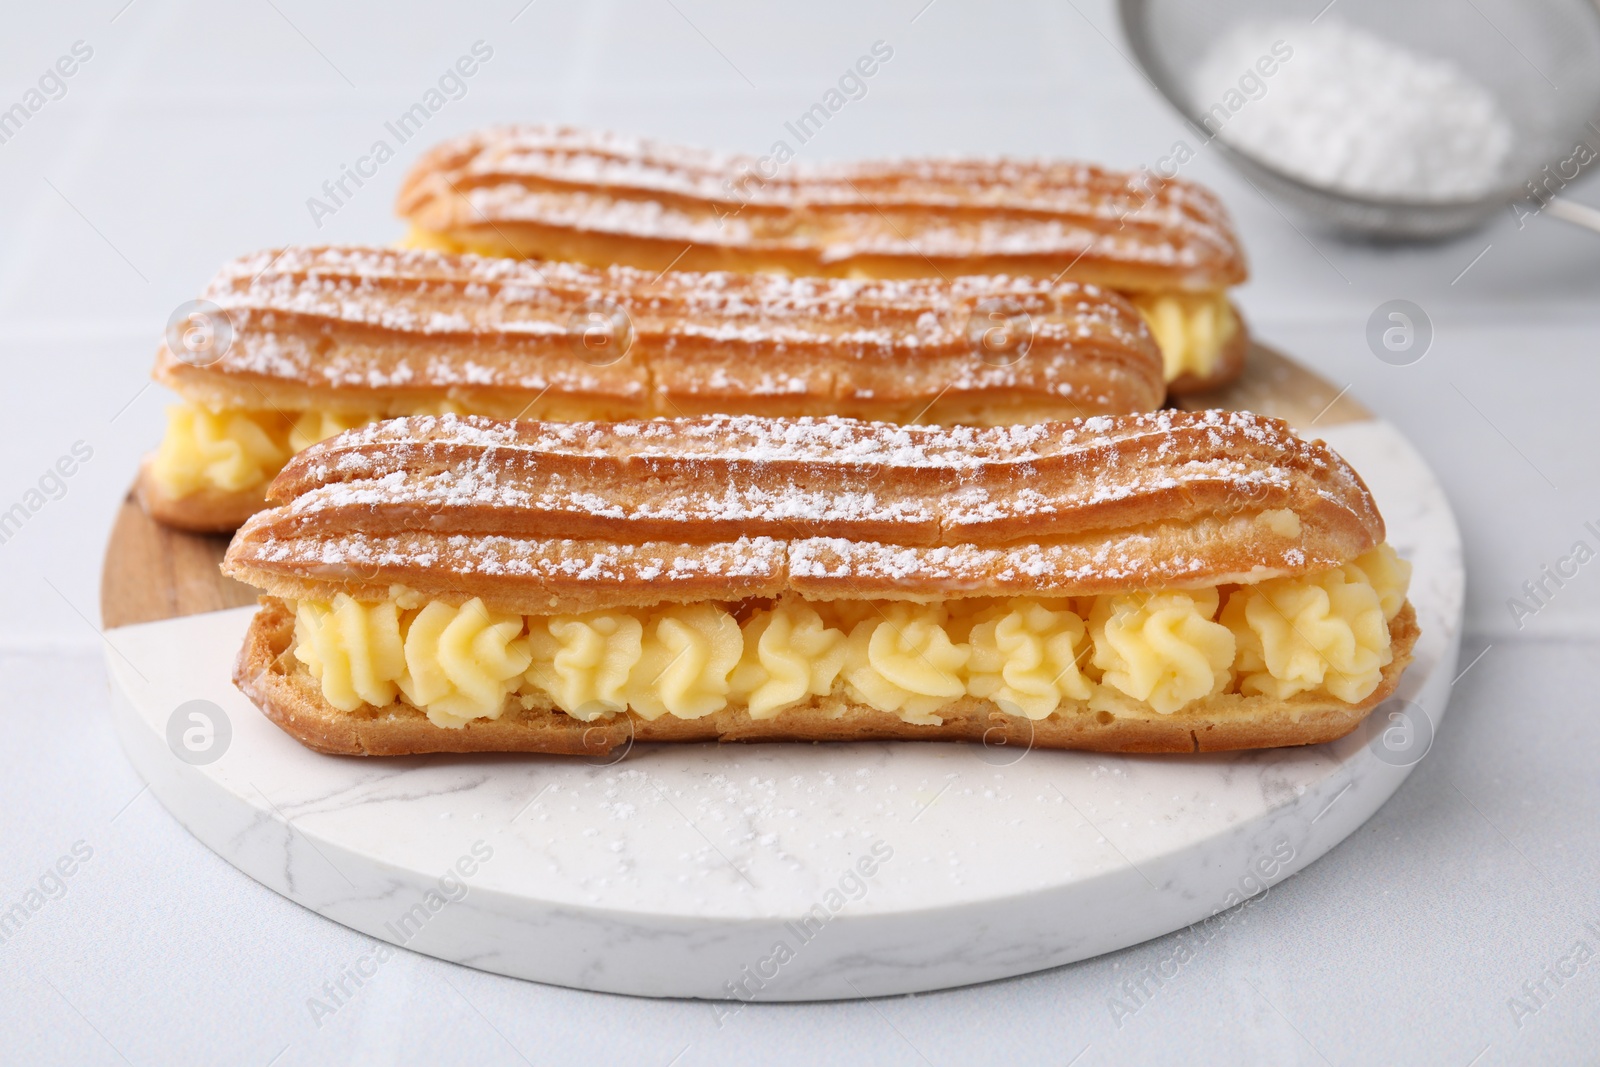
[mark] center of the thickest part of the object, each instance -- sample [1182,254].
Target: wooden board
[152,572]
[1273,384]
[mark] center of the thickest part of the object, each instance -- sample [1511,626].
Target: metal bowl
[1540,58]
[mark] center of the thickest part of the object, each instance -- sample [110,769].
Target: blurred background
[190,133]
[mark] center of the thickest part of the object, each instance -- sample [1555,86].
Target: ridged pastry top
[956,215]
[541,517]
[365,326]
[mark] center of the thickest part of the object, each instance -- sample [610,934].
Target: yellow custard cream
[1325,633]
[1191,329]
[224,451]
[236,449]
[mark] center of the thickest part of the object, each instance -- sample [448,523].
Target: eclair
[1161,582]
[327,339]
[560,193]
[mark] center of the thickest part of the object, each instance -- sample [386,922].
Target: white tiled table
[196,132]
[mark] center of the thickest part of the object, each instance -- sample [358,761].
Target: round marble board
[772,872]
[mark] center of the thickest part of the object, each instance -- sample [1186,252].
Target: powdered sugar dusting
[832,504]
[830,440]
[374,319]
[952,209]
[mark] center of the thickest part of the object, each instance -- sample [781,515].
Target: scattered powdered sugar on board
[1352,112]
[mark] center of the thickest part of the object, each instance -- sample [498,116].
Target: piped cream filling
[418,239]
[224,451]
[235,450]
[1325,633]
[1191,329]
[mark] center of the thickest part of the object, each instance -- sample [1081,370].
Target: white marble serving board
[681,870]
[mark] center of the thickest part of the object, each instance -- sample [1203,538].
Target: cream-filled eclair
[1166,582]
[326,339]
[560,193]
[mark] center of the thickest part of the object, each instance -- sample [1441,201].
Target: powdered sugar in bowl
[1395,120]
